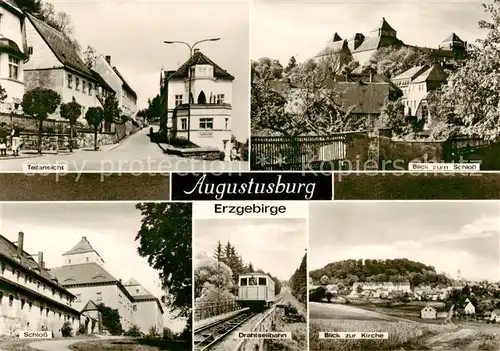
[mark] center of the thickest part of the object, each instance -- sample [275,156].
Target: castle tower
[81,253]
[384,30]
[453,43]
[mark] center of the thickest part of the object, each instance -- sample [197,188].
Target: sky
[55,228]
[132,33]
[451,236]
[273,245]
[281,29]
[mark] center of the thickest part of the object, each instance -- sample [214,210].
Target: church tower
[82,253]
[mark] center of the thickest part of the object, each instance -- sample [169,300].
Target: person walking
[16,140]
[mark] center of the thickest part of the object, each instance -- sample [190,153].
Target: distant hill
[373,270]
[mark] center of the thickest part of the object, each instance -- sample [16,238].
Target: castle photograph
[410,275]
[374,86]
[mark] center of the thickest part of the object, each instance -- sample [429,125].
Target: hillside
[374,270]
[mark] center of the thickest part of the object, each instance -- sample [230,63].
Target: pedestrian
[16,140]
[3,140]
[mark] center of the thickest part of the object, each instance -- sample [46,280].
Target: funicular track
[207,337]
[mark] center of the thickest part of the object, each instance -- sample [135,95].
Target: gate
[298,153]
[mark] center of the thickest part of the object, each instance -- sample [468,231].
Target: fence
[297,153]
[265,324]
[206,310]
[458,147]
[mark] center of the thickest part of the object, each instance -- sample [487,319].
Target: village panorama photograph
[95,276]
[132,92]
[374,85]
[425,274]
[250,278]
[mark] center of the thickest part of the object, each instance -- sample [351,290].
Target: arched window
[202,99]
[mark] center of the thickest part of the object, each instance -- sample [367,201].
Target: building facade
[84,275]
[209,103]
[31,299]
[147,308]
[127,98]
[55,64]
[13,55]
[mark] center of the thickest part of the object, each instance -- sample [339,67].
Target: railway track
[212,334]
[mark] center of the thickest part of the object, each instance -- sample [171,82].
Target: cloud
[481,228]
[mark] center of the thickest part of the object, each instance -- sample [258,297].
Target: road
[134,154]
[319,310]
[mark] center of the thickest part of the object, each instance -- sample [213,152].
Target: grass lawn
[126,345]
[22,344]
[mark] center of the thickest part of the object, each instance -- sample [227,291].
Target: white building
[55,64]
[13,55]
[211,102]
[127,98]
[148,312]
[83,275]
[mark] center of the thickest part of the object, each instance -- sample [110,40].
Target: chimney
[196,51]
[108,59]
[84,238]
[40,260]
[20,243]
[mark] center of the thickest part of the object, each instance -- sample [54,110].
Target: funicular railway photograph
[250,295]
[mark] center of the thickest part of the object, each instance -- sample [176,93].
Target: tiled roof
[434,73]
[83,246]
[385,26]
[365,78]
[64,50]
[144,297]
[9,250]
[199,58]
[335,38]
[452,38]
[90,306]
[363,98]
[373,43]
[333,48]
[412,73]
[100,80]
[125,84]
[131,282]
[85,273]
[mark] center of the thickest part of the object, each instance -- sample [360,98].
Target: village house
[13,55]
[375,288]
[428,312]
[210,98]
[31,299]
[360,48]
[469,307]
[83,274]
[55,64]
[126,96]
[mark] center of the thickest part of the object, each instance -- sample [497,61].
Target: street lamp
[191,48]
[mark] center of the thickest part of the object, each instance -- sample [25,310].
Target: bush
[222,156]
[134,331]
[81,330]
[153,333]
[66,329]
[168,334]
[162,138]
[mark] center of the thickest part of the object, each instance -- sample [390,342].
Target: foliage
[111,108]
[3,94]
[168,334]
[82,330]
[390,270]
[211,294]
[58,20]
[165,240]
[66,329]
[94,117]
[392,61]
[291,65]
[298,281]
[153,332]
[30,6]
[110,319]
[89,57]
[392,116]
[216,273]
[71,111]
[317,294]
[155,108]
[324,280]
[134,331]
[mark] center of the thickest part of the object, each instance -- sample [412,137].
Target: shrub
[81,330]
[222,155]
[168,334]
[66,329]
[134,331]
[153,333]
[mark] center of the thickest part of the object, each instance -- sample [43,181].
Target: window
[30,50]
[60,315]
[30,306]
[3,268]
[69,261]
[134,308]
[136,291]
[47,312]
[84,87]
[206,123]
[78,296]
[41,310]
[243,282]
[220,98]
[13,68]
[252,281]
[1,297]
[178,100]
[77,84]
[99,296]
[22,304]
[90,88]
[262,281]
[70,81]
[87,259]
[53,292]
[226,123]
[11,300]
[184,124]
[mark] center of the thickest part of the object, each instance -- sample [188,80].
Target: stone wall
[396,155]
[59,142]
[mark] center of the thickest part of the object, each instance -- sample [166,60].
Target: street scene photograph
[407,276]
[374,85]
[250,283]
[132,92]
[99,280]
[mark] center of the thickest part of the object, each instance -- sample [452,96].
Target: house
[416,83]
[147,308]
[55,64]
[210,107]
[361,48]
[495,316]
[13,55]
[31,299]
[127,98]
[469,308]
[428,312]
[83,274]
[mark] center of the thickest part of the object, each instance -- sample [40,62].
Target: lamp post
[191,48]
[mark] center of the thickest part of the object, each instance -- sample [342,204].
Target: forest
[298,282]
[373,270]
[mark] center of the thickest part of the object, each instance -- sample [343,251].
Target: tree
[298,281]
[30,6]
[71,111]
[155,108]
[210,271]
[324,280]
[291,64]
[165,240]
[110,319]
[39,103]
[66,329]
[392,116]
[94,117]
[89,57]
[111,109]
[3,94]
[134,331]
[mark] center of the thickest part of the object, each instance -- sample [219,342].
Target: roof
[131,282]
[198,58]
[85,273]
[125,84]
[90,306]
[373,43]
[411,73]
[64,50]
[385,26]
[10,46]
[9,250]
[83,246]
[363,98]
[333,48]
[335,38]
[100,80]
[12,5]
[429,306]
[452,38]
[144,297]
[434,73]
[367,78]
